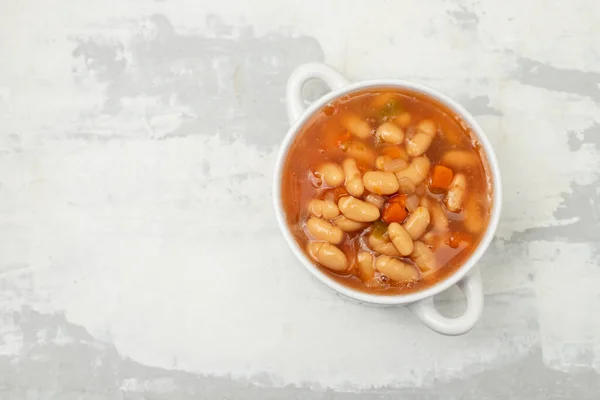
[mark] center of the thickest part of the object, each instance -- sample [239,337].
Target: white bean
[474,216]
[354,184]
[456,192]
[382,99]
[423,257]
[382,245]
[395,269]
[323,230]
[438,216]
[328,255]
[403,119]
[390,133]
[400,238]
[364,261]
[417,222]
[323,208]
[360,151]
[387,163]
[356,126]
[416,171]
[460,159]
[421,141]
[348,225]
[395,165]
[358,210]
[380,182]
[331,174]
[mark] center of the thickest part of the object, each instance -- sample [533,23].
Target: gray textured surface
[70,372]
[140,257]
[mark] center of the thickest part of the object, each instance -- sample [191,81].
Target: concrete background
[139,254]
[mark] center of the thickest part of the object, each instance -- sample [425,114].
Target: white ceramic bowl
[467,277]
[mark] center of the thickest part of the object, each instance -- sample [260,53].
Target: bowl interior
[492,169]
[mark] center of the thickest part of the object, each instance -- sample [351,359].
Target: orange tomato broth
[323,139]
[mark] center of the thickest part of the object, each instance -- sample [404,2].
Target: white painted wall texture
[139,254]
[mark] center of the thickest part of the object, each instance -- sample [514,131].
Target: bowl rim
[494,171]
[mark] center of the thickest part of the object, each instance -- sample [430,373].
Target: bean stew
[387,190]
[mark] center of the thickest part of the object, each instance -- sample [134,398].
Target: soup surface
[387,191]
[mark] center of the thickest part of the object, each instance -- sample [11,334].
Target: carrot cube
[441,177]
[394,212]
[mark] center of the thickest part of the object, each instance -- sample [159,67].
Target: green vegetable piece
[392,108]
[379,228]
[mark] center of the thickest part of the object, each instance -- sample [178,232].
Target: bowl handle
[295,102]
[471,287]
